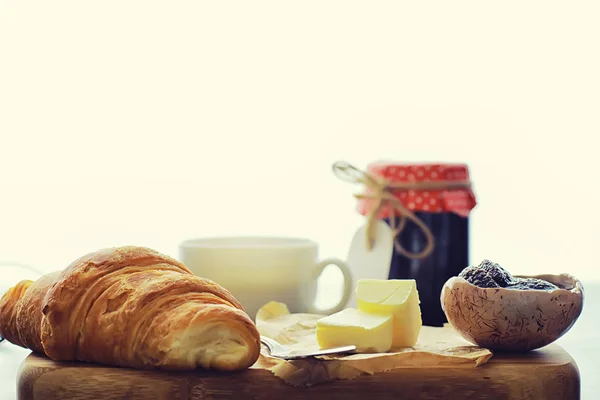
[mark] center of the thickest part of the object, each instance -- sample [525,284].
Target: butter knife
[279,350]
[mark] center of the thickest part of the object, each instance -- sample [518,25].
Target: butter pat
[393,297]
[370,333]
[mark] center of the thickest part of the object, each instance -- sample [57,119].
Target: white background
[148,122]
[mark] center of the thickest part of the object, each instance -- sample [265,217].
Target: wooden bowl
[511,319]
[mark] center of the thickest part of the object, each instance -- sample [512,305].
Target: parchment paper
[435,347]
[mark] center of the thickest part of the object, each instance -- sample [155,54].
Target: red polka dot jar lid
[459,201]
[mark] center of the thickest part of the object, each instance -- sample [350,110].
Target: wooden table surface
[549,373]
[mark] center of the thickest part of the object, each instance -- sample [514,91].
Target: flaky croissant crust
[8,312]
[132,306]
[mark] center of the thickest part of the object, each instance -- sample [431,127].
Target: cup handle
[347,289]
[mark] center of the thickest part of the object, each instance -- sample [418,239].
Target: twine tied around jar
[381,192]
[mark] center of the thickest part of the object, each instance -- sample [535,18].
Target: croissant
[132,307]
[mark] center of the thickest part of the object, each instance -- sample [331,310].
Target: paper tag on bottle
[371,263]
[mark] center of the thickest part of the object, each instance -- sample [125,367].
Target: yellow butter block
[370,333]
[398,298]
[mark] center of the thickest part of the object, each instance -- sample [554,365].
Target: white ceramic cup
[257,270]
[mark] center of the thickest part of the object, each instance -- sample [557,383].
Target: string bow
[380,191]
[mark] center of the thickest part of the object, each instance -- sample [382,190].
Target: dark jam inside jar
[449,257]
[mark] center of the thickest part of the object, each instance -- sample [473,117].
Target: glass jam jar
[439,198]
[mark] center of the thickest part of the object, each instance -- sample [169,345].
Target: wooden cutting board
[549,373]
